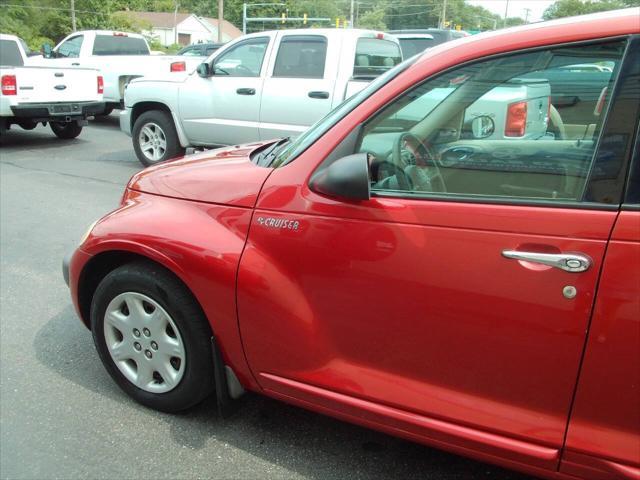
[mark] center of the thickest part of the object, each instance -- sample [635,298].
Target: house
[183,28]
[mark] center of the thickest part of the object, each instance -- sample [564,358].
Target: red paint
[402,315]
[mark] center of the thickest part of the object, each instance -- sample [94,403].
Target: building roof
[167,19]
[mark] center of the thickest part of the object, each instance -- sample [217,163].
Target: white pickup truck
[62,97]
[119,56]
[260,86]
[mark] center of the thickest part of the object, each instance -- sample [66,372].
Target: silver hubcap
[153,142]
[144,342]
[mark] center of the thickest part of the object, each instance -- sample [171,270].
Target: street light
[244,12]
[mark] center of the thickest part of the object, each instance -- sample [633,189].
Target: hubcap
[152,141]
[153,361]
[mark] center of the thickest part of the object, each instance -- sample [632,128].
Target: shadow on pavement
[300,441]
[37,138]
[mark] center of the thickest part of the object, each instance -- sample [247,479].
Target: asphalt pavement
[61,415]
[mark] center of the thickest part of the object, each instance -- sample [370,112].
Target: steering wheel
[418,162]
[243,68]
[556,121]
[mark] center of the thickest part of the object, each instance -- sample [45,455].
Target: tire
[107,111]
[154,138]
[175,333]
[66,130]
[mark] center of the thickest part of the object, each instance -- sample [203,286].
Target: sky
[516,7]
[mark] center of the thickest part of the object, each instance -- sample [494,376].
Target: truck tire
[66,130]
[155,138]
[106,112]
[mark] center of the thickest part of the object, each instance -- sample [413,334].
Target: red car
[406,272]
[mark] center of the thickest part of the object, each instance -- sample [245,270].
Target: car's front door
[223,109]
[453,305]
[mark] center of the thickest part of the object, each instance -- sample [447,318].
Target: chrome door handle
[569,262]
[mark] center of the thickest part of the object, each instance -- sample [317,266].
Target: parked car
[413,43]
[200,49]
[61,97]
[119,56]
[260,86]
[479,296]
[417,40]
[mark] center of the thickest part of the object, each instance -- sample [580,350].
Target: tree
[569,8]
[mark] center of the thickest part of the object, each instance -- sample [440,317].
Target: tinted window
[375,56]
[70,48]
[301,56]
[119,45]
[10,54]
[413,46]
[489,130]
[242,60]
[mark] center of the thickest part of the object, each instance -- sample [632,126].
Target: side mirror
[482,126]
[204,70]
[347,178]
[47,51]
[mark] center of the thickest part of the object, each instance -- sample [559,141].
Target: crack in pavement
[32,169]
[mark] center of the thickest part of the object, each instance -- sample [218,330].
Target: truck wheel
[66,130]
[154,138]
[152,337]
[107,111]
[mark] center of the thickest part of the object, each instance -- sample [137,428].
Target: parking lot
[61,414]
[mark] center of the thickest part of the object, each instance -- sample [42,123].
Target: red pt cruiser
[411,263]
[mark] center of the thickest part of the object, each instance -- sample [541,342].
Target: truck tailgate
[51,85]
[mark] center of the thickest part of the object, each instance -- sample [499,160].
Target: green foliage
[568,8]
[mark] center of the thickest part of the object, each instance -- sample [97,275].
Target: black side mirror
[204,70]
[47,51]
[347,177]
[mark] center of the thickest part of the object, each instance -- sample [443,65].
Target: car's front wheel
[66,130]
[155,138]
[152,337]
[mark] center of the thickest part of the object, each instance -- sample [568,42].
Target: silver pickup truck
[260,86]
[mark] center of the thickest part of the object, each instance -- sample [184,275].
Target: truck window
[119,45]
[375,56]
[243,59]
[10,54]
[413,46]
[70,48]
[301,56]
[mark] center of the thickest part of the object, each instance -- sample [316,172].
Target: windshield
[119,45]
[413,46]
[321,127]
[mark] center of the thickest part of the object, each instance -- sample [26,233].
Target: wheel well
[100,266]
[142,107]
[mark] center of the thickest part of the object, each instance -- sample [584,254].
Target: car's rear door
[298,89]
[439,312]
[603,439]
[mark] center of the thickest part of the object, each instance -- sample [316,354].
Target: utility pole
[73,15]
[351,15]
[175,23]
[526,15]
[506,10]
[220,19]
[443,14]
[244,18]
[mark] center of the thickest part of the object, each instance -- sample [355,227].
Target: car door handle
[75,64]
[569,262]
[246,91]
[321,95]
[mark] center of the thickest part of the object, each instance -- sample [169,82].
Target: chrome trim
[569,262]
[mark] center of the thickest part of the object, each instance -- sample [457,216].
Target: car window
[10,54]
[70,48]
[210,50]
[375,56]
[119,44]
[242,60]
[413,46]
[511,127]
[301,56]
